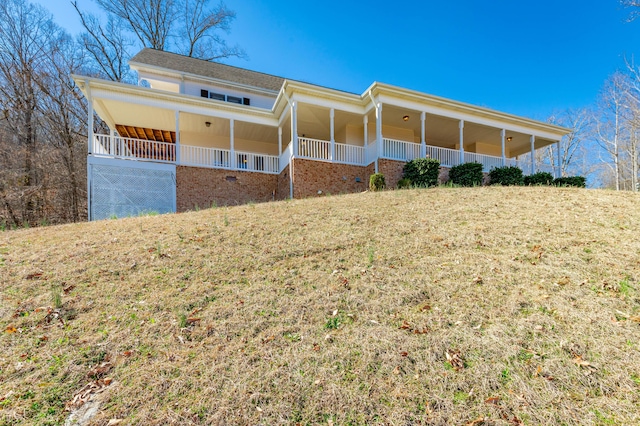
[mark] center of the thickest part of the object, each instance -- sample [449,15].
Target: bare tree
[26,32]
[189,27]
[107,45]
[608,120]
[579,121]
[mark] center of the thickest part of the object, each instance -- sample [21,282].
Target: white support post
[379,147]
[177,138]
[533,154]
[232,149]
[559,169]
[279,140]
[461,125]
[90,119]
[503,135]
[294,128]
[423,140]
[365,121]
[332,115]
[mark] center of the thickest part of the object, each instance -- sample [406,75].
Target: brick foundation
[202,187]
[392,171]
[310,176]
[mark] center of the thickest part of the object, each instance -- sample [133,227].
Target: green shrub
[422,172]
[466,174]
[404,183]
[376,182]
[577,181]
[540,178]
[508,175]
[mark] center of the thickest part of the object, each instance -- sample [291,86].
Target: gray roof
[216,70]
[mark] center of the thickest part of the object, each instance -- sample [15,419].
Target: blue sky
[525,58]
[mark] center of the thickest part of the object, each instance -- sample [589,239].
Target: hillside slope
[494,306]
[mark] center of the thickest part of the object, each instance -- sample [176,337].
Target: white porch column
[294,128]
[232,149]
[503,135]
[177,138]
[558,172]
[90,120]
[533,154]
[332,115]
[379,133]
[280,140]
[423,140]
[365,120]
[461,125]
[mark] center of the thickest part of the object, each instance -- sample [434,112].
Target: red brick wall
[392,171]
[310,176]
[283,185]
[201,187]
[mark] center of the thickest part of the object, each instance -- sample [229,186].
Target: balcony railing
[317,149]
[138,149]
[314,149]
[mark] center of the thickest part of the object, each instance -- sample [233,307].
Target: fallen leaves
[10,329]
[582,363]
[454,358]
[86,393]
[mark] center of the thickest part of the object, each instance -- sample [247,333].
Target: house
[194,133]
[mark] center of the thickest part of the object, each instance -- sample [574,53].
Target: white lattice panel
[118,191]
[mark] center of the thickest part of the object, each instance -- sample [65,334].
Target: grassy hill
[481,306]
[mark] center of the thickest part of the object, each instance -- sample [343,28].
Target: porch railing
[400,150]
[315,149]
[138,149]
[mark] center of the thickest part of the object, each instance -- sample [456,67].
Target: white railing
[285,157]
[205,157]
[317,149]
[370,153]
[314,148]
[448,157]
[349,154]
[400,150]
[488,161]
[257,162]
[138,149]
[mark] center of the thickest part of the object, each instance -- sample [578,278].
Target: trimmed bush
[466,174]
[508,175]
[422,172]
[376,182]
[540,178]
[577,181]
[404,183]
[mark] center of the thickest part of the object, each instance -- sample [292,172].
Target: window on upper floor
[221,97]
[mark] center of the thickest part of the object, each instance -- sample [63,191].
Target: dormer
[194,77]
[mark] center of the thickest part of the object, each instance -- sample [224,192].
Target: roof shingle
[216,70]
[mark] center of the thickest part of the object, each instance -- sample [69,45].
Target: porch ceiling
[222,127]
[445,132]
[146,133]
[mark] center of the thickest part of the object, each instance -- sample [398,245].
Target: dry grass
[493,306]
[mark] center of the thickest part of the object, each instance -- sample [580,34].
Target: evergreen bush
[422,172]
[376,182]
[466,174]
[540,178]
[577,181]
[507,176]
